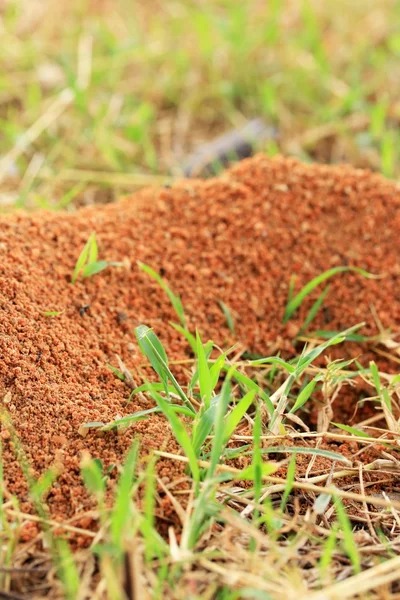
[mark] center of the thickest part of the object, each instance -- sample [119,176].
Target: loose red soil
[238,239]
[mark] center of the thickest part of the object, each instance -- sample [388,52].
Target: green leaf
[237,413]
[66,568]
[314,310]
[92,474]
[181,435]
[228,317]
[123,497]
[94,268]
[203,424]
[375,376]
[294,303]
[142,415]
[186,334]
[206,389]
[273,360]
[352,430]
[116,372]
[152,348]
[248,473]
[349,542]
[93,250]
[291,472]
[252,385]
[304,394]
[174,299]
[218,441]
[43,484]
[215,370]
[82,258]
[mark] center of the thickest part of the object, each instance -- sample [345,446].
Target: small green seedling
[87,263]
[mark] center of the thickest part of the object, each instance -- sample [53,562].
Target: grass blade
[174,299]
[206,389]
[295,302]
[181,435]
[82,259]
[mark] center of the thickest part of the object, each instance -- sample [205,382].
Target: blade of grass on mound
[83,257]
[186,334]
[152,348]
[251,385]
[219,429]
[237,413]
[67,569]
[208,346]
[294,303]
[335,456]
[312,313]
[139,416]
[205,383]
[349,543]
[181,435]
[175,300]
[203,425]
[87,264]
[324,334]
[257,464]
[303,362]
[291,472]
[352,430]
[205,507]
[305,394]
[121,508]
[228,317]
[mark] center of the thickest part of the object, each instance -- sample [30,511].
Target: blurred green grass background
[100,97]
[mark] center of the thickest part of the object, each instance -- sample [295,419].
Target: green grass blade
[93,249]
[93,268]
[154,351]
[291,472]
[252,385]
[203,425]
[304,395]
[215,370]
[123,497]
[181,435]
[186,334]
[375,376]
[67,570]
[142,415]
[295,302]
[228,317]
[237,413]
[349,543]
[257,461]
[273,360]
[206,389]
[314,309]
[174,299]
[82,259]
[352,430]
[218,441]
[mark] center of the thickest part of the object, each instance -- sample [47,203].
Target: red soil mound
[238,239]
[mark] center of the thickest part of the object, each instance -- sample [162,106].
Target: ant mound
[237,239]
